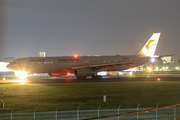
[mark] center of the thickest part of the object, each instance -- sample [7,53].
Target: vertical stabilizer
[150,47]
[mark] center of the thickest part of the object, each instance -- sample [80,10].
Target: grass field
[89,95]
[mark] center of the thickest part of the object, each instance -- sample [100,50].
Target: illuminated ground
[89,95]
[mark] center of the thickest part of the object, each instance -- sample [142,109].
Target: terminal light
[120,73]
[157,68]
[149,69]
[102,73]
[130,73]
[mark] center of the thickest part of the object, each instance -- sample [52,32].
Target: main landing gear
[96,77]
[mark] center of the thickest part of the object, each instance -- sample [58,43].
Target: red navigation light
[68,73]
[75,56]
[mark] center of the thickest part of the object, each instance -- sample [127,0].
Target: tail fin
[150,47]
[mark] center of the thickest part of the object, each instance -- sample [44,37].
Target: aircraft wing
[104,65]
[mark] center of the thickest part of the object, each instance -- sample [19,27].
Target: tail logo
[148,46]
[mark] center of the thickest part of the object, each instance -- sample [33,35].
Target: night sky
[87,27]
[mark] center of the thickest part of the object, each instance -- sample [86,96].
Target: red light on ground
[68,73]
[146,111]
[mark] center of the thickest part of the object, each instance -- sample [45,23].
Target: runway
[72,80]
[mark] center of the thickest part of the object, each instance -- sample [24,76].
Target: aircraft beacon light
[75,56]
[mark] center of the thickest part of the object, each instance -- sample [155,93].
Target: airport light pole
[137,110]
[118,111]
[34,114]
[56,112]
[78,113]
[156,111]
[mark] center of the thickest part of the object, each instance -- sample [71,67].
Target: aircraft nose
[9,66]
[12,67]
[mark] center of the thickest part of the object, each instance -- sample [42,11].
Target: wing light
[21,74]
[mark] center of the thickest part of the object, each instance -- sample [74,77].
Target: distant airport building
[166,59]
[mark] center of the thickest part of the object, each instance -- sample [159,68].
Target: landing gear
[50,75]
[96,77]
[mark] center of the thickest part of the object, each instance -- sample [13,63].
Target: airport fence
[166,113]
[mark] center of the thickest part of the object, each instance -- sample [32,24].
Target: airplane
[84,66]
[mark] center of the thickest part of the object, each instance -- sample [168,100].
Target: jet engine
[84,72]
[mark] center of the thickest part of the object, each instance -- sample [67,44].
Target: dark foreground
[69,94]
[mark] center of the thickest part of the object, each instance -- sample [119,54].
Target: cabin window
[31,63]
[47,62]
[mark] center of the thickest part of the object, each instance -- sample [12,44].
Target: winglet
[150,47]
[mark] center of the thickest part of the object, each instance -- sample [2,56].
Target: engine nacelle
[56,74]
[84,72]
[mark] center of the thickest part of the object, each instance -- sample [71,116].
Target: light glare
[130,73]
[149,69]
[21,74]
[152,60]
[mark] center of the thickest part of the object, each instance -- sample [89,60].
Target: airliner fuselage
[70,63]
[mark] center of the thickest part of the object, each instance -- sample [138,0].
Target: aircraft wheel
[50,75]
[96,77]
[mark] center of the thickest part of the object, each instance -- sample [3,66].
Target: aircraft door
[56,61]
